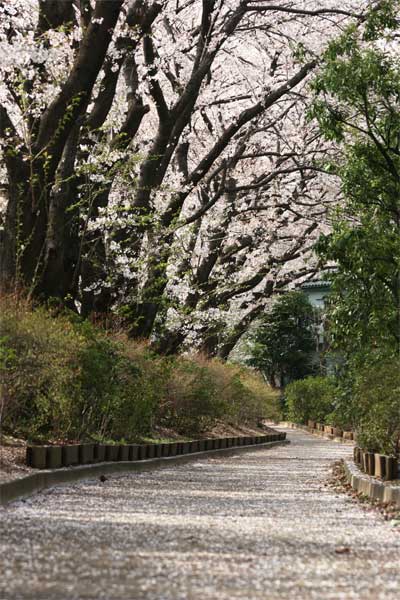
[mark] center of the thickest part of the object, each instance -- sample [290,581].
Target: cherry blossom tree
[156,158]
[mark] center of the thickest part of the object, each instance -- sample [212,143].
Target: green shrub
[64,378]
[376,394]
[39,381]
[310,398]
[67,379]
[191,403]
[261,401]
[202,391]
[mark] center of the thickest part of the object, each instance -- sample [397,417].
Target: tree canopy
[156,159]
[283,344]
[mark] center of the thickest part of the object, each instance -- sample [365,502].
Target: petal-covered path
[260,524]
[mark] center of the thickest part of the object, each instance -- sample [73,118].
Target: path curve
[250,526]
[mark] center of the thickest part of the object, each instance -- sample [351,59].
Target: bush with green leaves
[63,378]
[199,392]
[254,401]
[311,398]
[40,380]
[192,402]
[371,399]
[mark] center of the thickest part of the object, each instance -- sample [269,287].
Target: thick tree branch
[154,85]
[255,5]
[59,118]
[245,117]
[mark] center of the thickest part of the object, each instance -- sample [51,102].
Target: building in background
[317,292]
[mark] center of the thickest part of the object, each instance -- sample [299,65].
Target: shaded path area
[256,525]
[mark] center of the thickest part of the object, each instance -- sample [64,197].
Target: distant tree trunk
[229,341]
[62,236]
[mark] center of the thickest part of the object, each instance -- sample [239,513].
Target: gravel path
[256,525]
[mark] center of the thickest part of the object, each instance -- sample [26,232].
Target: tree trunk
[33,252]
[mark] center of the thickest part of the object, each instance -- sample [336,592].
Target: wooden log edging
[384,466]
[374,489]
[320,433]
[49,457]
[45,478]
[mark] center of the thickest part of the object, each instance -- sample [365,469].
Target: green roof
[316,285]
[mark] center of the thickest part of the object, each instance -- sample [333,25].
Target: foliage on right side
[357,105]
